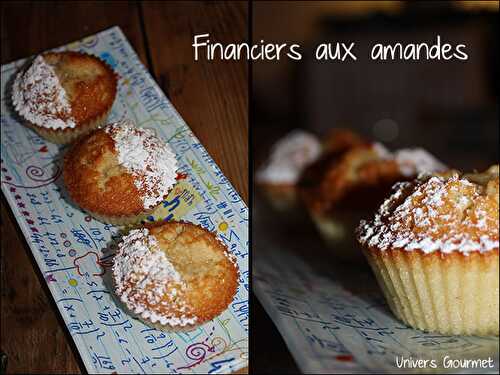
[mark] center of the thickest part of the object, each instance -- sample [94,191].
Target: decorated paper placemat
[74,251]
[334,318]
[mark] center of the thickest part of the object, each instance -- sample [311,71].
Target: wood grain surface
[211,96]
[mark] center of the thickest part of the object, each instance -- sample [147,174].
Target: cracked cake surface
[63,95]
[451,212]
[433,247]
[174,274]
[119,170]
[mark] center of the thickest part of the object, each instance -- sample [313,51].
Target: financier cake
[433,246]
[278,177]
[174,276]
[120,173]
[63,95]
[354,184]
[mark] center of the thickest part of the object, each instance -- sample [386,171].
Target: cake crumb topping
[150,161]
[438,213]
[146,280]
[39,97]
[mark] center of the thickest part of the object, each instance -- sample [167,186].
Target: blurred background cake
[353,184]
[279,175]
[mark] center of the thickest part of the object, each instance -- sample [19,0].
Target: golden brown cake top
[60,90]
[177,274]
[362,176]
[444,212]
[119,170]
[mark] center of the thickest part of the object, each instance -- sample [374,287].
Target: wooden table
[211,96]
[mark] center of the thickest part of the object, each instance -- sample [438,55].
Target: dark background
[448,107]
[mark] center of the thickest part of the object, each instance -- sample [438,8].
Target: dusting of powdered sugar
[382,151]
[150,161]
[39,97]
[413,161]
[289,156]
[141,274]
[434,214]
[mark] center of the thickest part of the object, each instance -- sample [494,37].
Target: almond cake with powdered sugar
[121,173]
[147,158]
[64,95]
[433,246]
[174,276]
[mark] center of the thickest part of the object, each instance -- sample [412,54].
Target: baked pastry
[335,144]
[339,140]
[63,95]
[278,177]
[120,173]
[433,246]
[353,184]
[174,275]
